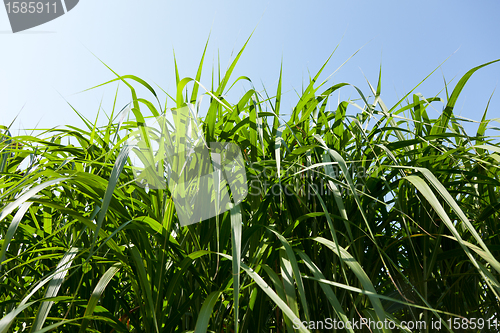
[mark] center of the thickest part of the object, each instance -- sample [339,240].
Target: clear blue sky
[44,66]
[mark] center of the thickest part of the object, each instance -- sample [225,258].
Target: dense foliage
[383,213]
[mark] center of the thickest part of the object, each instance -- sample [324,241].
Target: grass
[382,214]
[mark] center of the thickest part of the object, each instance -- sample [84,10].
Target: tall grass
[384,213]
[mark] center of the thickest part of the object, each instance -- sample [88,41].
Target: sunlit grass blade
[53,288]
[25,196]
[12,229]
[236,226]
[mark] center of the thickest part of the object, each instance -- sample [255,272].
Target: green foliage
[384,214]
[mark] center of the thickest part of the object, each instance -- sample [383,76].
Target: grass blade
[53,287]
[96,294]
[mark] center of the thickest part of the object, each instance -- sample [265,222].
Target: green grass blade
[273,296]
[113,180]
[12,230]
[206,312]
[453,204]
[236,226]
[290,256]
[332,298]
[19,201]
[194,95]
[145,285]
[358,271]
[96,294]
[53,287]
[265,287]
[423,188]
[289,286]
[8,319]
[442,124]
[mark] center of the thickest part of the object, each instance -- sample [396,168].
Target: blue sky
[45,67]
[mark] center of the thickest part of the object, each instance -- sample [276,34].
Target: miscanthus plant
[360,211]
